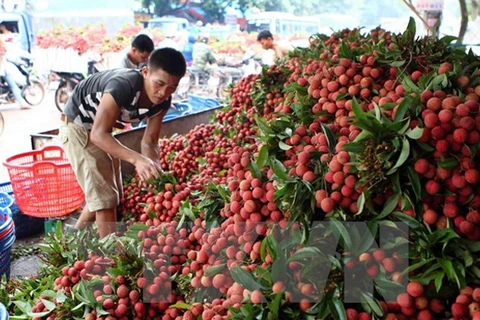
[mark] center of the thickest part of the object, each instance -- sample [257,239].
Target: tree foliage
[164,7]
[215,9]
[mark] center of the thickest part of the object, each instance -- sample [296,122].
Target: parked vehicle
[282,23]
[170,25]
[21,26]
[68,81]
[32,88]
[197,81]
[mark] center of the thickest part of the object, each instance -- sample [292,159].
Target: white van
[282,23]
[170,25]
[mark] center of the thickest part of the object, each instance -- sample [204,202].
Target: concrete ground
[19,125]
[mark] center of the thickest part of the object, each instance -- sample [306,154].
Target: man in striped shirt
[91,113]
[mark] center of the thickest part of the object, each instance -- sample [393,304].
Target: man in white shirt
[138,53]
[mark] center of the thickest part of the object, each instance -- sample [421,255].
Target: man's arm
[149,145]
[101,136]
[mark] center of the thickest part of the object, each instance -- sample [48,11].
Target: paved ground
[19,124]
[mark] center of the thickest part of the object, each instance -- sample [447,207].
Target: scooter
[197,81]
[19,67]
[68,81]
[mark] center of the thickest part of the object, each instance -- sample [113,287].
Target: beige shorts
[97,172]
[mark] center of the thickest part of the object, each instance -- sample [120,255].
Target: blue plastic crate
[25,226]
[7,238]
[6,200]
[200,103]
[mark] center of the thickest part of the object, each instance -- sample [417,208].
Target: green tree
[215,9]
[244,5]
[164,7]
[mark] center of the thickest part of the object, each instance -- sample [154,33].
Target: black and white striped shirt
[125,86]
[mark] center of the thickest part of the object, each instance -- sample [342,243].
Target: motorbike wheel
[2,124]
[34,92]
[61,96]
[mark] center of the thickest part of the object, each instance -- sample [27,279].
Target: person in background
[188,50]
[203,57]
[141,48]
[91,113]
[7,70]
[3,29]
[280,48]
[170,41]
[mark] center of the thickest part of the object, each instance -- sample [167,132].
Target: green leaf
[61,297]
[403,156]
[275,305]
[473,246]
[181,305]
[378,112]
[330,137]
[397,63]
[402,109]
[411,27]
[354,147]
[415,180]
[256,173]
[151,214]
[337,309]
[262,157]
[244,278]
[340,229]
[341,96]
[390,205]
[372,303]
[279,169]
[263,125]
[79,306]
[408,84]
[415,133]
[361,203]
[448,163]
[448,39]
[222,191]
[213,270]
[282,145]
[359,114]
[418,265]
[305,253]
[411,222]
[439,280]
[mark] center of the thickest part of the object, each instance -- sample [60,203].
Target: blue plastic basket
[25,226]
[6,200]
[7,238]
[3,312]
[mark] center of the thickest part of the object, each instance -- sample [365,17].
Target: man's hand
[147,168]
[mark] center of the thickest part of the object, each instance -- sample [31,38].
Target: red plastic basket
[44,184]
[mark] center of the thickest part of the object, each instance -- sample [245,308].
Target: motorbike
[198,81]
[20,67]
[68,81]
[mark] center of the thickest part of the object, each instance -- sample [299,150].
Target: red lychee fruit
[472,176]
[422,166]
[415,289]
[459,310]
[432,187]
